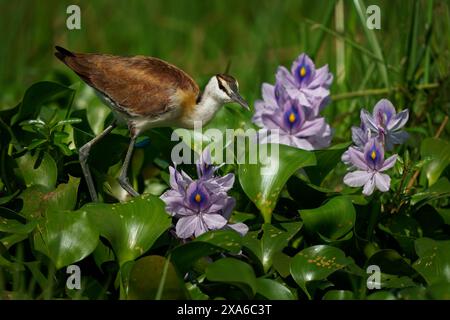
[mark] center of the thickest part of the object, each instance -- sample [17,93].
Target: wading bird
[146,92]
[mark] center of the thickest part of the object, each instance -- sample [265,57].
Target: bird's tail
[62,54]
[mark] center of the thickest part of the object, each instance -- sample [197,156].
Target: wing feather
[142,85]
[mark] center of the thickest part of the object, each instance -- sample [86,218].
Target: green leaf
[381,295]
[263,183]
[6,199]
[14,226]
[333,220]
[326,161]
[273,290]
[404,230]
[391,262]
[209,243]
[439,291]
[317,263]
[152,274]
[338,295]
[131,227]
[234,272]
[35,96]
[389,281]
[440,189]
[434,260]
[67,121]
[273,240]
[65,237]
[37,171]
[439,151]
[36,199]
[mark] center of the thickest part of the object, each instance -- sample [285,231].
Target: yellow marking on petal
[198,197]
[302,71]
[373,155]
[292,117]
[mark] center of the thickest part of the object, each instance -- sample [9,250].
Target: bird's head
[225,89]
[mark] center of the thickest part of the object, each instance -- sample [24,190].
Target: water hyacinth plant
[203,204]
[292,106]
[377,133]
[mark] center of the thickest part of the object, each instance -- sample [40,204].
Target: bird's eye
[221,87]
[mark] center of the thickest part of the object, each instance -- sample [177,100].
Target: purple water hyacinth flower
[201,205]
[370,164]
[306,83]
[386,123]
[360,136]
[272,95]
[296,125]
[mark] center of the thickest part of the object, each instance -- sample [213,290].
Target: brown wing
[143,85]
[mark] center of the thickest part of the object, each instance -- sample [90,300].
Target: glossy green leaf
[131,227]
[35,96]
[235,272]
[37,200]
[389,281]
[338,295]
[439,291]
[441,189]
[434,260]
[439,151]
[37,171]
[151,276]
[317,263]
[381,295]
[404,230]
[263,183]
[14,226]
[65,237]
[212,242]
[274,239]
[326,161]
[333,220]
[273,290]
[391,262]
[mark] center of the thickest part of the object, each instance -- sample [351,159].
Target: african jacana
[146,92]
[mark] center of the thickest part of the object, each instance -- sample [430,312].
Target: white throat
[210,102]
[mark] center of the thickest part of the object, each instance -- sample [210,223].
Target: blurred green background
[407,60]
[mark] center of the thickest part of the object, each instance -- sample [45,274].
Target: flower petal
[357,178]
[272,121]
[368,121]
[383,112]
[214,221]
[311,128]
[398,121]
[359,137]
[382,181]
[187,226]
[240,227]
[388,163]
[357,158]
[369,186]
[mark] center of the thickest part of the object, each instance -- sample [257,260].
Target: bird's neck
[205,108]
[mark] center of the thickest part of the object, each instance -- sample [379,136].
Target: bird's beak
[236,97]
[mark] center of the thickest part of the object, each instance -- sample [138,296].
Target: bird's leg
[123,178]
[83,156]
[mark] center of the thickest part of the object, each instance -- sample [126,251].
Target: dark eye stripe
[222,87]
